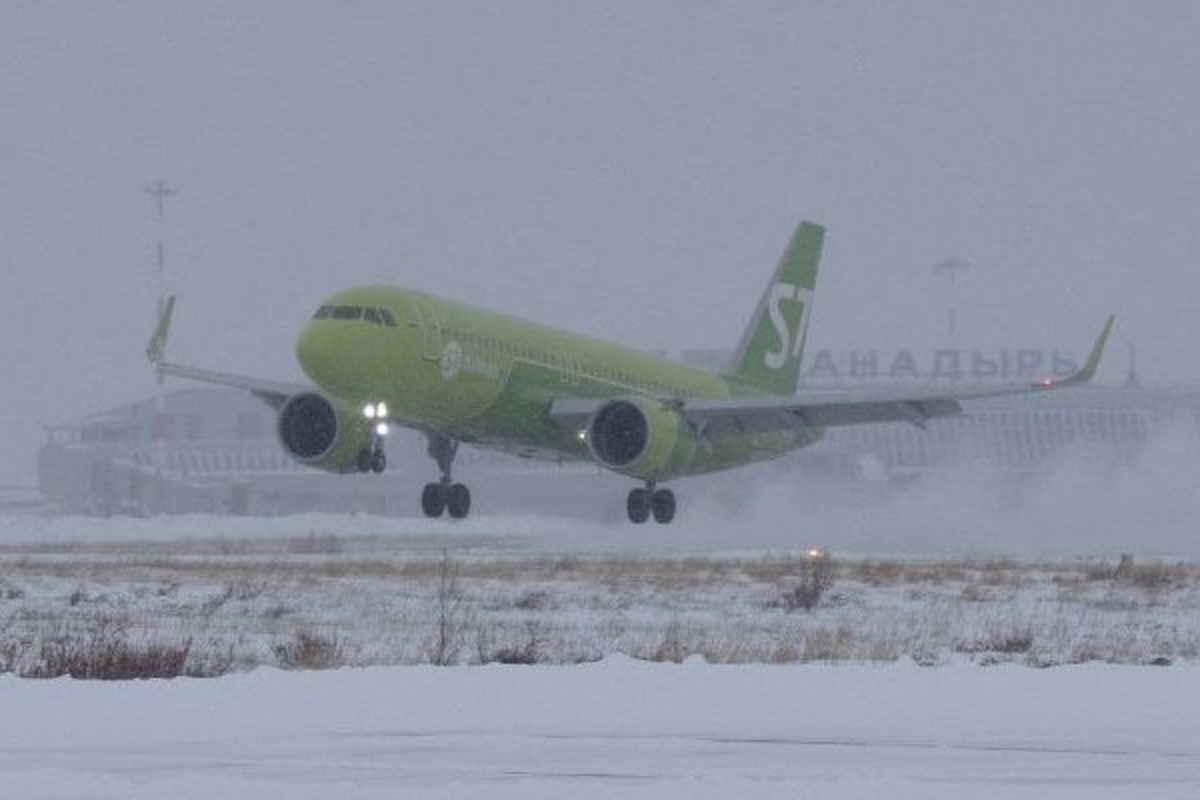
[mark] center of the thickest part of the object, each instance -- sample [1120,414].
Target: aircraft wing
[827,409]
[275,393]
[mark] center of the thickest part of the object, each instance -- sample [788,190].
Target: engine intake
[641,438]
[619,434]
[308,426]
[316,431]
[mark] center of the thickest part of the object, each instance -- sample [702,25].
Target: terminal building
[211,450]
[214,450]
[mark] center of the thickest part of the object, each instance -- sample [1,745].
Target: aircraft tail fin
[772,346]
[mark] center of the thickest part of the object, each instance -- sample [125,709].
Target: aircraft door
[431,332]
[568,369]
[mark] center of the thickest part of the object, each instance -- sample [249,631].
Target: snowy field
[618,728]
[640,662]
[210,595]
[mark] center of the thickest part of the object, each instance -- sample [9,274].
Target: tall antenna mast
[952,268]
[160,192]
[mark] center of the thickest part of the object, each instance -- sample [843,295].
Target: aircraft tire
[458,500]
[638,506]
[662,503]
[378,462]
[364,460]
[433,500]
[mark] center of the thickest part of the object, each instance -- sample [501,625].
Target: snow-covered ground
[618,728]
[322,591]
[981,584]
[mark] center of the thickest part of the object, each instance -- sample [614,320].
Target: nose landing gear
[372,458]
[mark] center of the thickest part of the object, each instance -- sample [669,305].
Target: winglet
[1088,371]
[158,342]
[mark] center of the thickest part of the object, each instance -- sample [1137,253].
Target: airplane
[382,356]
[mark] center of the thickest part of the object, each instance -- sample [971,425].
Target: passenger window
[323,312]
[371,315]
[387,318]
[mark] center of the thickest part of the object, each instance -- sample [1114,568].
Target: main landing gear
[445,495]
[644,502]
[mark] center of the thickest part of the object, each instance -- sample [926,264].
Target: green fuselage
[489,379]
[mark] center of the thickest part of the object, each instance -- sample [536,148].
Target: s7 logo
[790,339]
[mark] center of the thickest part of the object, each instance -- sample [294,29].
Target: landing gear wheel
[662,503]
[364,460]
[638,505]
[458,500]
[378,462]
[433,500]
[445,495]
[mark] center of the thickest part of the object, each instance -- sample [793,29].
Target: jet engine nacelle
[641,438]
[321,433]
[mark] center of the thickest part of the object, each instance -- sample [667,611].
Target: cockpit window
[347,312]
[376,316]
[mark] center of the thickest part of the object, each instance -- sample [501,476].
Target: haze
[626,170]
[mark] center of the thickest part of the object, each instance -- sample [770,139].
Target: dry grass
[97,647]
[321,601]
[310,650]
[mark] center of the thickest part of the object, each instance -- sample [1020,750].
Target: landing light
[375,410]
[381,429]
[582,435]
[815,553]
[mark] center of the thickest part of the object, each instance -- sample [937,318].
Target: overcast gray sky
[630,170]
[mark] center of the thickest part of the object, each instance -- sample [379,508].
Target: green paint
[489,379]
